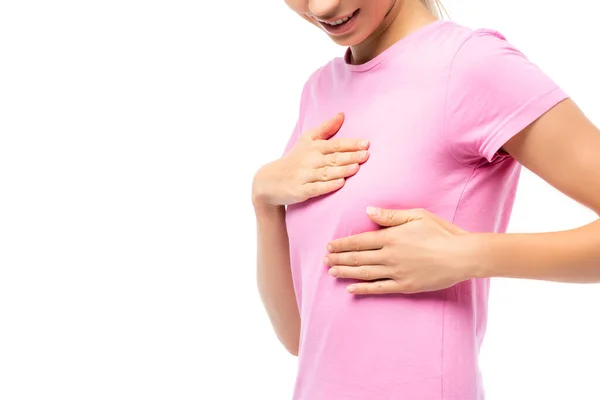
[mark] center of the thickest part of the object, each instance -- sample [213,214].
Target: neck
[403,18]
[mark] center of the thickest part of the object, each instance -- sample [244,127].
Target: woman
[380,226]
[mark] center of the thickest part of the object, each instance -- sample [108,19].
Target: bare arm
[274,276]
[316,164]
[562,147]
[422,252]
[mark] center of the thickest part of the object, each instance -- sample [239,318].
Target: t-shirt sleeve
[298,127]
[494,92]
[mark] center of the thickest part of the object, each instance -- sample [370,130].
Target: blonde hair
[435,6]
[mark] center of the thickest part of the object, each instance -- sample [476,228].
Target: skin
[382,22]
[316,165]
[560,145]
[418,251]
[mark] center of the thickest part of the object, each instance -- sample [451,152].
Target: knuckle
[314,147]
[380,287]
[316,160]
[365,273]
[390,215]
[353,244]
[334,158]
[324,173]
[395,274]
[354,258]
[388,258]
[337,146]
[308,175]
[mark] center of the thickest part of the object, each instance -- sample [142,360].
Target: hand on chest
[401,170]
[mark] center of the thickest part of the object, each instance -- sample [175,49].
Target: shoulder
[478,44]
[321,80]
[493,91]
[314,77]
[308,88]
[480,54]
[462,34]
[447,46]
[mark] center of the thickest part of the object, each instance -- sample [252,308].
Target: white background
[129,135]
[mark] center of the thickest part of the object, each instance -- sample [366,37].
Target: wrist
[258,193]
[262,206]
[475,255]
[264,210]
[260,198]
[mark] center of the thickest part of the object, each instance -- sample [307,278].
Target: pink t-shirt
[437,107]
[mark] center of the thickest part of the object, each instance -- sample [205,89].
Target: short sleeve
[494,92]
[298,128]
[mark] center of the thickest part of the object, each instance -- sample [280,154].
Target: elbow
[293,350]
[291,346]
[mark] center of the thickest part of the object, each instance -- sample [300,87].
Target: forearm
[568,256]
[274,276]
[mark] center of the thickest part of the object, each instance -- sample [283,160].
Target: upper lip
[328,21]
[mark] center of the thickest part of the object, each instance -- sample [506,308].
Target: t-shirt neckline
[378,59]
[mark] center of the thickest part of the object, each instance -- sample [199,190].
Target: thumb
[328,128]
[387,217]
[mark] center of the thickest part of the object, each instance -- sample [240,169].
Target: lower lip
[342,28]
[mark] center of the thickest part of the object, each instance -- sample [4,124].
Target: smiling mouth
[340,21]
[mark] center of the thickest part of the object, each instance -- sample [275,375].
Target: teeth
[339,21]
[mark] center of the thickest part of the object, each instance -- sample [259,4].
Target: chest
[408,165]
[407,154]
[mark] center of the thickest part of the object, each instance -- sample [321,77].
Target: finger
[330,173]
[345,158]
[338,145]
[364,272]
[355,258]
[386,217]
[372,240]
[385,286]
[314,189]
[327,128]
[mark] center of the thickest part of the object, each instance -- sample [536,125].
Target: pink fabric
[436,106]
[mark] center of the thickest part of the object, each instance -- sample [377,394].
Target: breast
[407,166]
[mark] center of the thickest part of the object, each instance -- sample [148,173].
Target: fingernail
[363,144]
[329,248]
[372,211]
[363,154]
[333,272]
[352,289]
[326,261]
[352,167]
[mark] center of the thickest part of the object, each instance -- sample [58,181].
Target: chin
[351,40]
